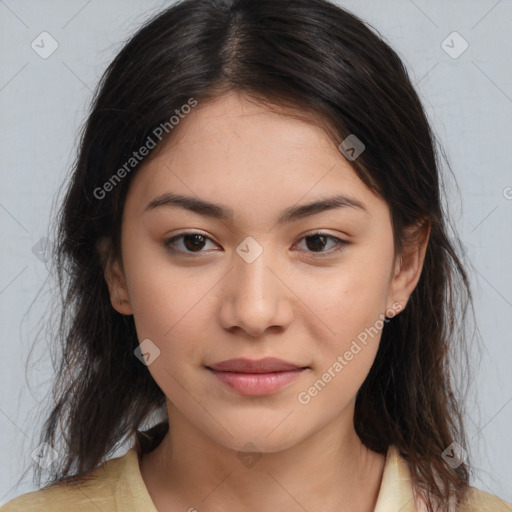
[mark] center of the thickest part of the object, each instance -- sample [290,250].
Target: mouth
[265,365]
[256,378]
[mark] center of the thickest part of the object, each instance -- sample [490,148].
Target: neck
[330,471]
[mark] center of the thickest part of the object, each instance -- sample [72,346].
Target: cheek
[172,313]
[348,299]
[353,310]
[351,302]
[167,302]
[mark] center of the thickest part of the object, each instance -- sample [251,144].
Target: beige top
[118,487]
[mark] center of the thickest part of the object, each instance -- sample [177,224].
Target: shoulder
[97,491]
[481,501]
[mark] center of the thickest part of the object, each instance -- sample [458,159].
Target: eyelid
[340,243]
[168,242]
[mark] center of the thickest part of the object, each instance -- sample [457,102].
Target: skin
[290,302]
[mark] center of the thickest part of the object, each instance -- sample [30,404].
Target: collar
[396,491]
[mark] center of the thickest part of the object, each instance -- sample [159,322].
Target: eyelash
[339,243]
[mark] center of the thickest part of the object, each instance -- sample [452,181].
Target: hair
[310,59]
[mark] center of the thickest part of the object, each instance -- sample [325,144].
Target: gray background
[44,101]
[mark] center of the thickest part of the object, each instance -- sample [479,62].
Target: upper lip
[265,365]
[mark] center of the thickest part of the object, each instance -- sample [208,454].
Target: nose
[254,297]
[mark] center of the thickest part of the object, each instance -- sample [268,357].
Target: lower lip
[254,384]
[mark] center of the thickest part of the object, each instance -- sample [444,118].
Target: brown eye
[187,243]
[194,242]
[317,242]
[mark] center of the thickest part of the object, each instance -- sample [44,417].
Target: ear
[409,264]
[115,278]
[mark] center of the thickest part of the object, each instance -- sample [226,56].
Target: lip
[257,384]
[256,377]
[244,365]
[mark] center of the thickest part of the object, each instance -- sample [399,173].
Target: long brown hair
[320,62]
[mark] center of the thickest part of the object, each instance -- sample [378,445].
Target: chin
[265,440]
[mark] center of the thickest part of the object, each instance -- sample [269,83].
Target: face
[257,275]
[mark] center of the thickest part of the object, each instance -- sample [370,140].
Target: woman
[253,245]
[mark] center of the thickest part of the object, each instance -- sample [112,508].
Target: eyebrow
[223,213]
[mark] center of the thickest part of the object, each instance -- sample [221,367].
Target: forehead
[237,152]
[237,122]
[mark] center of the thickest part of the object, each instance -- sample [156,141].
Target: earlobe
[115,278]
[116,282]
[409,264]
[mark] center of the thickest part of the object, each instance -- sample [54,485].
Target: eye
[191,242]
[318,241]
